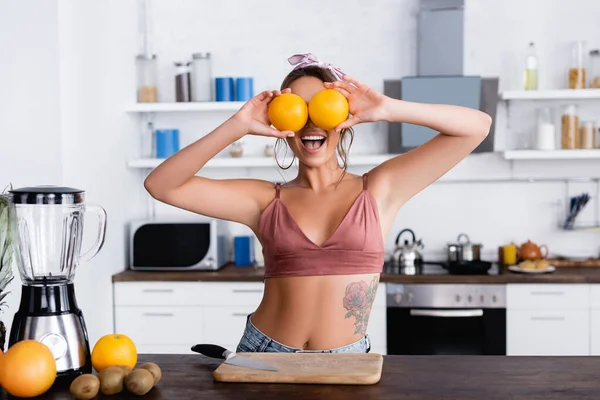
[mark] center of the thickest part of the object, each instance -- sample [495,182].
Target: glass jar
[201,77]
[595,69]
[147,89]
[183,84]
[545,136]
[269,150]
[236,149]
[570,128]
[587,135]
[577,70]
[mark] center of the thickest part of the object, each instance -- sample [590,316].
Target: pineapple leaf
[6,246]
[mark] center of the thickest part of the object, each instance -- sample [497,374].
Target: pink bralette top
[356,246]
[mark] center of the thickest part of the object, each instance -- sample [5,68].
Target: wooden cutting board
[311,368]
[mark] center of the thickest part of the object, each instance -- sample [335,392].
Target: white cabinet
[548,319]
[170,317]
[595,319]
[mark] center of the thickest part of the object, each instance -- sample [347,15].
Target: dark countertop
[403,377]
[231,273]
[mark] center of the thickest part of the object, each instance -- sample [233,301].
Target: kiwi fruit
[139,381]
[154,370]
[126,369]
[85,387]
[111,380]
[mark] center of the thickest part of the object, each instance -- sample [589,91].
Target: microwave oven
[172,245]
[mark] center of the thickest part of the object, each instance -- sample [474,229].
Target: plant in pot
[7,237]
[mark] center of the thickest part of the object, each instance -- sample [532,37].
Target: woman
[323,232]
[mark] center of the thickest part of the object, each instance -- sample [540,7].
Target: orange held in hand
[28,369]
[288,112]
[114,349]
[328,108]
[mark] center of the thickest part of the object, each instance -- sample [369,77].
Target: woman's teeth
[313,142]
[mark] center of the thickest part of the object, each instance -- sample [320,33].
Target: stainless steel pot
[464,250]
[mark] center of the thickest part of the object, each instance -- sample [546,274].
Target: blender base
[49,314]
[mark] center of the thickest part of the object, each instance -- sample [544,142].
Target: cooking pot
[464,250]
[407,255]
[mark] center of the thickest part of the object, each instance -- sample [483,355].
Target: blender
[49,230]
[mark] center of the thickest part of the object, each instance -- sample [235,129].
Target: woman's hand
[365,104]
[254,116]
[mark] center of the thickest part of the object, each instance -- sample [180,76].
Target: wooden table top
[404,377]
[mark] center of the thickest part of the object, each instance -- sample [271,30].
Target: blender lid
[47,195]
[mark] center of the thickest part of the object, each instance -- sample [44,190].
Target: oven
[446,319]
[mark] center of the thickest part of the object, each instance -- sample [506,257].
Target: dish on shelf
[541,266]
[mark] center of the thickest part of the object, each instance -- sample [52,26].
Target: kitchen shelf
[256,162]
[552,154]
[558,94]
[185,107]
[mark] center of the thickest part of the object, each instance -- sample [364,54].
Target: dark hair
[326,76]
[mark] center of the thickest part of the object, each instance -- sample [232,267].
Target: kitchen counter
[230,273]
[403,377]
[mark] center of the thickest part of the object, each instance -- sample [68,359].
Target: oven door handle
[447,313]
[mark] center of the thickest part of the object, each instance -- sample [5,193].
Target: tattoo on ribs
[358,301]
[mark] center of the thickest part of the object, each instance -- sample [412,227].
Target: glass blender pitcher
[50,229]
[49,223]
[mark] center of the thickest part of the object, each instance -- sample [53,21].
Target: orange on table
[288,112]
[328,108]
[114,349]
[28,369]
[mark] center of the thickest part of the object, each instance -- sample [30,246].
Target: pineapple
[6,256]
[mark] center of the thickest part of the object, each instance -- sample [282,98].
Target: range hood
[440,37]
[440,75]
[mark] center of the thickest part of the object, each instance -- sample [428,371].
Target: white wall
[77,93]
[30,151]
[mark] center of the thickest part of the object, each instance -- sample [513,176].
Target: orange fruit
[288,112]
[114,349]
[328,108]
[28,369]
[1,354]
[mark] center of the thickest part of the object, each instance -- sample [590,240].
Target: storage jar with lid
[182,82]
[595,69]
[577,71]
[545,136]
[570,128]
[588,135]
[201,77]
[147,88]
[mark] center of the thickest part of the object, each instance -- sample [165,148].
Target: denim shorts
[254,341]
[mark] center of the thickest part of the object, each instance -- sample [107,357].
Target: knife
[214,351]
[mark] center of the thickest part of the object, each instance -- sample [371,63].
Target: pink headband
[308,60]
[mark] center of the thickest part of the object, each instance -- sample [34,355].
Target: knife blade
[215,351]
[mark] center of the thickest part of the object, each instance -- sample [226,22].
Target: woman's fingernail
[291,134]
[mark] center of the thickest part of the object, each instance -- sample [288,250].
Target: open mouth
[313,142]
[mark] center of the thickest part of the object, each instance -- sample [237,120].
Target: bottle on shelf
[530,74]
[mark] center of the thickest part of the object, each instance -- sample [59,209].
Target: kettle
[407,255]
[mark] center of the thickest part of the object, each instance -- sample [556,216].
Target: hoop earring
[277,142]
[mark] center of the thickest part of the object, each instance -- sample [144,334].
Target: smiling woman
[322,232]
